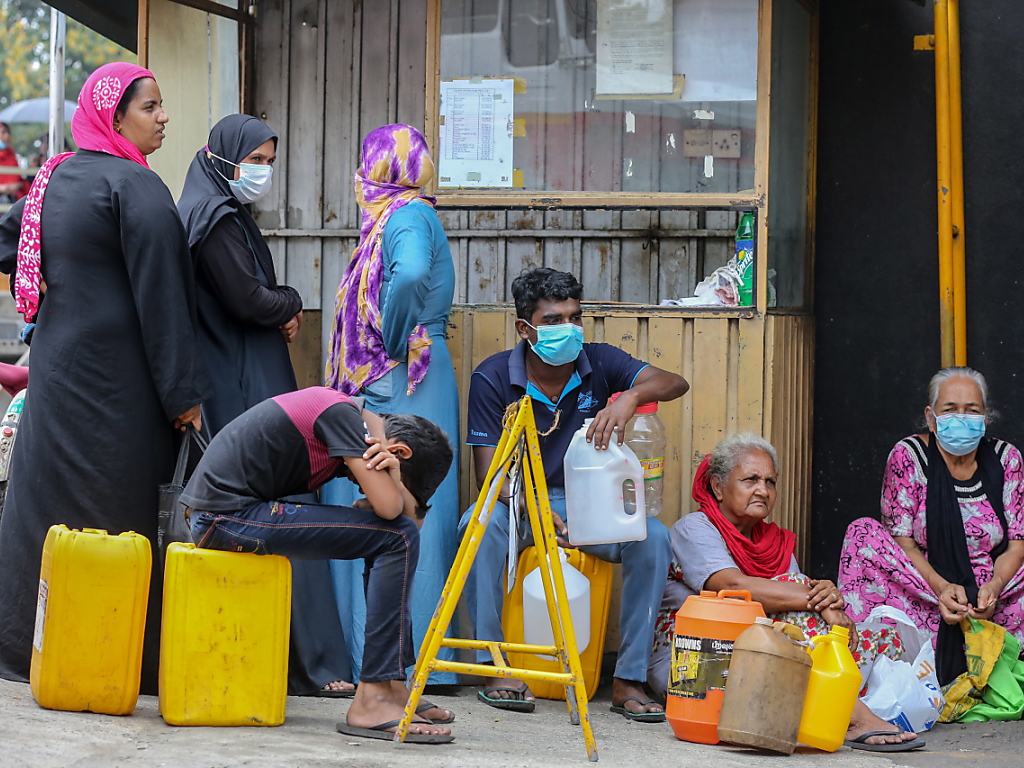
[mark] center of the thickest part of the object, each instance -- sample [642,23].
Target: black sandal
[638,717]
[518,702]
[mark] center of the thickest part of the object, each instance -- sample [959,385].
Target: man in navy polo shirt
[562,374]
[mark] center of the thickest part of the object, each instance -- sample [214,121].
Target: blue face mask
[3,145]
[558,344]
[253,180]
[959,433]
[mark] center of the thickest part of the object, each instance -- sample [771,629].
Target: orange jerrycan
[765,689]
[90,620]
[224,639]
[706,627]
[599,573]
[831,693]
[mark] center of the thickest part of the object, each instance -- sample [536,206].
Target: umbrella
[34,111]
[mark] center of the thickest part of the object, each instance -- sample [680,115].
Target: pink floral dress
[874,569]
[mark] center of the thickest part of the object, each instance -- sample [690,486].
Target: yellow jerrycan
[599,573]
[831,693]
[90,621]
[765,689]
[224,638]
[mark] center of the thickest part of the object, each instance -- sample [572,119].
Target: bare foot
[400,692]
[377,703]
[623,689]
[339,685]
[864,721]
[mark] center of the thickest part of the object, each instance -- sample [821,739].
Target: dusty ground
[31,736]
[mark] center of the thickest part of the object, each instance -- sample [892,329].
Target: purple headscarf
[395,165]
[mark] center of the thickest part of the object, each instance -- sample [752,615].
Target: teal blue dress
[418,288]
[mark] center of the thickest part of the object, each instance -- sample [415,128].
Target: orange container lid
[727,607]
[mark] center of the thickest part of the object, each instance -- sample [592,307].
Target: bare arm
[1004,568]
[774,596]
[652,385]
[383,491]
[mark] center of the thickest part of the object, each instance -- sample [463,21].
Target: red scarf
[92,128]
[769,550]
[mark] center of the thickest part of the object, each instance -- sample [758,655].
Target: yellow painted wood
[665,350]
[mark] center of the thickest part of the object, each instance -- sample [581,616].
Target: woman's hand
[987,596]
[193,416]
[839,618]
[953,603]
[291,329]
[823,595]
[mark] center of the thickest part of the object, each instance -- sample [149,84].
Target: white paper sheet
[634,47]
[716,49]
[476,133]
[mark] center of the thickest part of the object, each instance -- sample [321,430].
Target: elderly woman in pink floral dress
[951,540]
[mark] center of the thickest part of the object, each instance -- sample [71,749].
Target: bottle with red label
[645,435]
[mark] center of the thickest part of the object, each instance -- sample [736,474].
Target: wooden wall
[329,72]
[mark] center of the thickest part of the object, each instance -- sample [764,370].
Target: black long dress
[241,307]
[114,362]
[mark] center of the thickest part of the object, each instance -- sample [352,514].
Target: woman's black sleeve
[229,267]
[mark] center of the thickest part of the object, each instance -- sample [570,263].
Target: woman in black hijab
[246,321]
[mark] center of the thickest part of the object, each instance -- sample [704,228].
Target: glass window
[598,95]
[789,161]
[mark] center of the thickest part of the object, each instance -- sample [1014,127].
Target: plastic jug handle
[736,593]
[820,639]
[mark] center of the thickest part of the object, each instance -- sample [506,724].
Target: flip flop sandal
[517,704]
[906,746]
[425,705]
[381,732]
[638,717]
[332,693]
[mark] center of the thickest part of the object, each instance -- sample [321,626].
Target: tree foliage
[25,59]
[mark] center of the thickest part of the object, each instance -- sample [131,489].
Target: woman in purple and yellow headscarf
[389,345]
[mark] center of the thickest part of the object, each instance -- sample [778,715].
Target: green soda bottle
[745,258]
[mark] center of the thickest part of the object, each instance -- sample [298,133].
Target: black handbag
[172,525]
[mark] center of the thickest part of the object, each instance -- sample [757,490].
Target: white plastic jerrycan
[594,489]
[537,623]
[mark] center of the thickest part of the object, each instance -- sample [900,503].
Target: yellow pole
[947,307]
[956,177]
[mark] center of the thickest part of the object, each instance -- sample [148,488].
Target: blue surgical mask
[959,433]
[558,344]
[253,180]
[3,146]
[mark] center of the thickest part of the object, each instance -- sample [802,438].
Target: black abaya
[114,362]
[241,307]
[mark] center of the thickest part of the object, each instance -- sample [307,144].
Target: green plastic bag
[993,686]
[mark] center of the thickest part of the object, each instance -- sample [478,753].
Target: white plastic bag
[906,693]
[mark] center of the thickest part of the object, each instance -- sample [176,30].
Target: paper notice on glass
[634,47]
[716,48]
[476,133]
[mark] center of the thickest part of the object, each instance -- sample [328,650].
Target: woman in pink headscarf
[101,265]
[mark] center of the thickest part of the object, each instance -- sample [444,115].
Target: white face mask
[253,180]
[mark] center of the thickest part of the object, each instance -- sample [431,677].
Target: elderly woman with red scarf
[728,545]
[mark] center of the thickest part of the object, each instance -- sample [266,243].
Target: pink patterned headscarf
[92,128]
[395,165]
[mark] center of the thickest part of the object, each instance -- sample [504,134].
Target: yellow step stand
[90,621]
[224,641]
[518,453]
[599,573]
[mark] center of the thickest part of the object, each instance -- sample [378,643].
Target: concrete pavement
[32,737]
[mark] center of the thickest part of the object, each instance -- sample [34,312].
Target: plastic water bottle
[537,623]
[595,484]
[745,258]
[645,435]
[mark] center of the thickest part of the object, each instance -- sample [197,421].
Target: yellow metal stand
[519,447]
